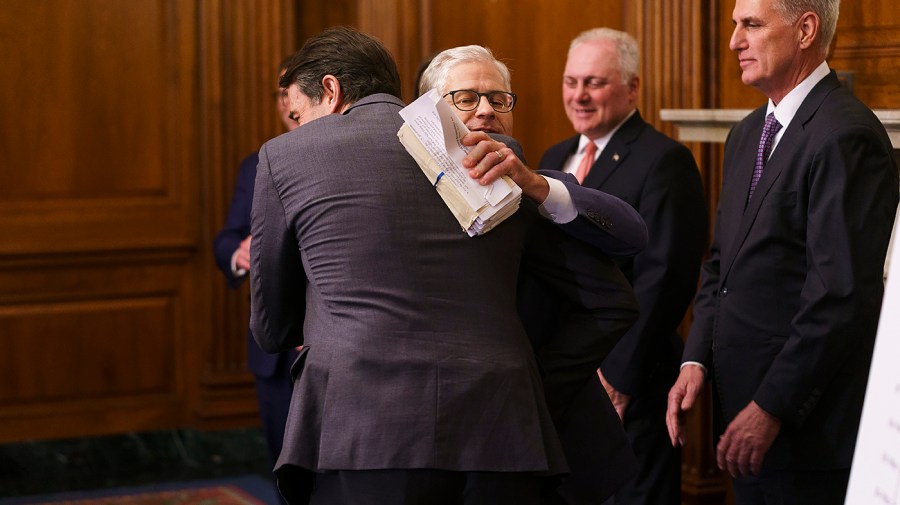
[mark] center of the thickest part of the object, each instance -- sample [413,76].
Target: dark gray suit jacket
[414,355]
[790,296]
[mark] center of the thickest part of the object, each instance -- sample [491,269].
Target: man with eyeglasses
[600,461]
[465,74]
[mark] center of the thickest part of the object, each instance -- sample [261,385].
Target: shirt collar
[602,141]
[787,108]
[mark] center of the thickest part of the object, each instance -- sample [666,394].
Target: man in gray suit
[416,382]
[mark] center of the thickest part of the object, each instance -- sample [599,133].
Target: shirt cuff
[701,365]
[558,207]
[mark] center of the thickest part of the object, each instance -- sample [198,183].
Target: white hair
[435,76]
[626,49]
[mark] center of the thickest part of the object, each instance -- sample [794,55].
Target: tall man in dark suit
[600,460]
[416,382]
[786,315]
[231,246]
[623,155]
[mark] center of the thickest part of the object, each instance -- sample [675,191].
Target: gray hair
[626,49]
[435,76]
[827,10]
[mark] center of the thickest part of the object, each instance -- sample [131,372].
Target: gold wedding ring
[499,155]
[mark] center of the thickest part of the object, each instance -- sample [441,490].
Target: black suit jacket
[790,297]
[659,178]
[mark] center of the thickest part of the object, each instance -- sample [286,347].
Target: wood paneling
[84,333]
[122,128]
[867,46]
[94,152]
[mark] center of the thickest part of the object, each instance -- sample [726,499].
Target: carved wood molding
[713,125]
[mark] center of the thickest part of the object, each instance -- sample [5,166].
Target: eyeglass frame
[486,95]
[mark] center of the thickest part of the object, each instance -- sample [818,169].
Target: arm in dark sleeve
[604,221]
[237,223]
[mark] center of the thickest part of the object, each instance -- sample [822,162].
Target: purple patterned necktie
[765,147]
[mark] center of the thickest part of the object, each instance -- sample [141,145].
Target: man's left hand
[746,440]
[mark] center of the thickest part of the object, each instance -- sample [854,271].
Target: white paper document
[875,475]
[432,135]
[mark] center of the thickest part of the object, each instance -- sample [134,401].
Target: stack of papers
[431,134]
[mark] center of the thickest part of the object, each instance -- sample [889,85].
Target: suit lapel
[777,163]
[615,152]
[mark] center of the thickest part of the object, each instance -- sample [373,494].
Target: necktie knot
[586,161]
[770,129]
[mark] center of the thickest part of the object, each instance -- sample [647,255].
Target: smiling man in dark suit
[788,307]
[416,382]
[617,152]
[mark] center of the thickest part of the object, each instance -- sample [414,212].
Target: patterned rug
[248,490]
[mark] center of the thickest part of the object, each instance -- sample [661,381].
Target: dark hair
[360,63]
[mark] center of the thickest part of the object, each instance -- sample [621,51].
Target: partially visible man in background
[231,246]
[619,153]
[479,87]
[789,301]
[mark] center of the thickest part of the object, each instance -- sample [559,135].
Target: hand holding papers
[431,134]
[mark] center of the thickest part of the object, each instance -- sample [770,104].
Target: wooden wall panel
[99,211]
[95,131]
[122,128]
[81,334]
[867,47]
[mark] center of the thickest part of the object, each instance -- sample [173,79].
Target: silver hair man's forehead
[435,76]
[629,55]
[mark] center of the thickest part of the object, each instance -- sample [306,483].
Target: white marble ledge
[713,125]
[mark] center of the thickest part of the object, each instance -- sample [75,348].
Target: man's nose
[484,107]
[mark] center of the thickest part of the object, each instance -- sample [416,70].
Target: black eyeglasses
[468,99]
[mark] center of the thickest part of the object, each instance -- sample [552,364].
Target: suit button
[723,291]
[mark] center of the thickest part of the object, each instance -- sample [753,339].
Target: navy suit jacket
[236,229]
[790,297]
[659,178]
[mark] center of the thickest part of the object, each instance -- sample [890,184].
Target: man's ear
[333,96]
[634,85]
[808,29]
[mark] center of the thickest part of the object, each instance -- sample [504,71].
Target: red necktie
[585,166]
